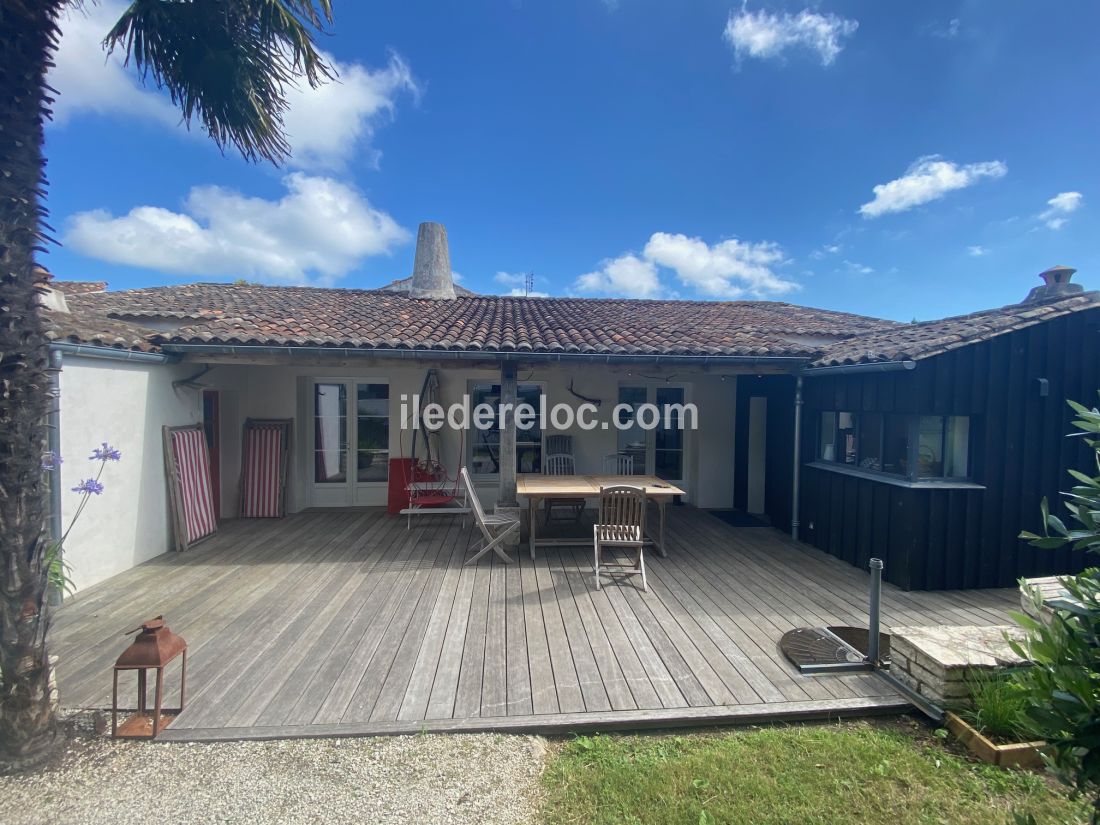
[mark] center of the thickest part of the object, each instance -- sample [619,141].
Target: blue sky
[642,148]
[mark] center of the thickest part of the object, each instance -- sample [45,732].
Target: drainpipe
[509,396]
[797,455]
[53,444]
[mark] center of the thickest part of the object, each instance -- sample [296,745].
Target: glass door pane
[632,438]
[330,433]
[372,432]
[668,439]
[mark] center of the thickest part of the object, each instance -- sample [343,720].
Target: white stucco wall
[125,404]
[283,392]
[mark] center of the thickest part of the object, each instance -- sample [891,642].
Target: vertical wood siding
[936,539]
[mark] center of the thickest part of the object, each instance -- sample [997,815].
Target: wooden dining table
[537,488]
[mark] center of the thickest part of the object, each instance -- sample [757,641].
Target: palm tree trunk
[28,725]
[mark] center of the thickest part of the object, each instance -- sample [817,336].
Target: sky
[902,160]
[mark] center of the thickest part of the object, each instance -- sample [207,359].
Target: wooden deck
[345,623]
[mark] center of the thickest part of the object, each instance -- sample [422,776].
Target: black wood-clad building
[932,446]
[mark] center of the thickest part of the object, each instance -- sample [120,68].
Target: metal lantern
[153,648]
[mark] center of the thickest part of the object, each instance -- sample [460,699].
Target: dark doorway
[211,426]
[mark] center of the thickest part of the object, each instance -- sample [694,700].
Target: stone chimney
[1056,284]
[431,276]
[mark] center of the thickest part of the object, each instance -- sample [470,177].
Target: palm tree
[226,64]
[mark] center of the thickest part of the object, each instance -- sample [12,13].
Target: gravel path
[475,778]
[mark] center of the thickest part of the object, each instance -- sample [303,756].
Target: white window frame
[346,493]
[651,388]
[471,435]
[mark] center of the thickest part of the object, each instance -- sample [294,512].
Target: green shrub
[1063,685]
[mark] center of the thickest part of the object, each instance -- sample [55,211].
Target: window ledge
[897,481]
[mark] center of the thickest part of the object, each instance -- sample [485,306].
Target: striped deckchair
[264,459]
[187,465]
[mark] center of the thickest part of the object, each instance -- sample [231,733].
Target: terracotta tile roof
[89,327]
[376,319]
[912,342]
[78,287]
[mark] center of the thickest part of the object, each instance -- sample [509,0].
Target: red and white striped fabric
[193,470]
[263,462]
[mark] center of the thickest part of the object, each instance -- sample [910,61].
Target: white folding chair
[621,528]
[495,530]
[618,464]
[562,465]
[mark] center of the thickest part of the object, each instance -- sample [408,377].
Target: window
[846,437]
[826,450]
[912,446]
[335,434]
[485,443]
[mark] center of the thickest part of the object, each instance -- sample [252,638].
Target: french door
[660,450]
[349,447]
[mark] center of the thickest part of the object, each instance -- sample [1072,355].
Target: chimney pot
[431,276]
[1056,284]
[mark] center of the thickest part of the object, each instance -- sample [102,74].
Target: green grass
[846,773]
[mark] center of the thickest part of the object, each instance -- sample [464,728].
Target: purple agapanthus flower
[89,486]
[105,453]
[50,460]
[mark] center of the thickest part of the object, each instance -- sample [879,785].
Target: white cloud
[89,81]
[326,127]
[317,232]
[858,269]
[763,34]
[927,179]
[727,269]
[827,249]
[1058,207]
[628,276]
[977,251]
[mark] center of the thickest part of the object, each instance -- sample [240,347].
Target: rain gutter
[845,369]
[482,355]
[112,353]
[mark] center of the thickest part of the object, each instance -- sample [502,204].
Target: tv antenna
[528,284]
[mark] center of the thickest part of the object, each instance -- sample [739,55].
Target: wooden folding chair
[495,530]
[562,465]
[618,464]
[621,528]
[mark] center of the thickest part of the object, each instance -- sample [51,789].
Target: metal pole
[873,622]
[797,456]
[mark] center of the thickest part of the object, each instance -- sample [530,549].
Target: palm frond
[228,63]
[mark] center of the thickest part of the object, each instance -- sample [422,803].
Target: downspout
[797,456]
[53,444]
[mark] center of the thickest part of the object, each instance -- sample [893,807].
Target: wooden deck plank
[518,685]
[566,679]
[494,685]
[396,684]
[641,689]
[544,694]
[381,663]
[594,689]
[341,621]
[414,705]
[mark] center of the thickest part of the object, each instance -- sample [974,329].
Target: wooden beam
[509,397]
